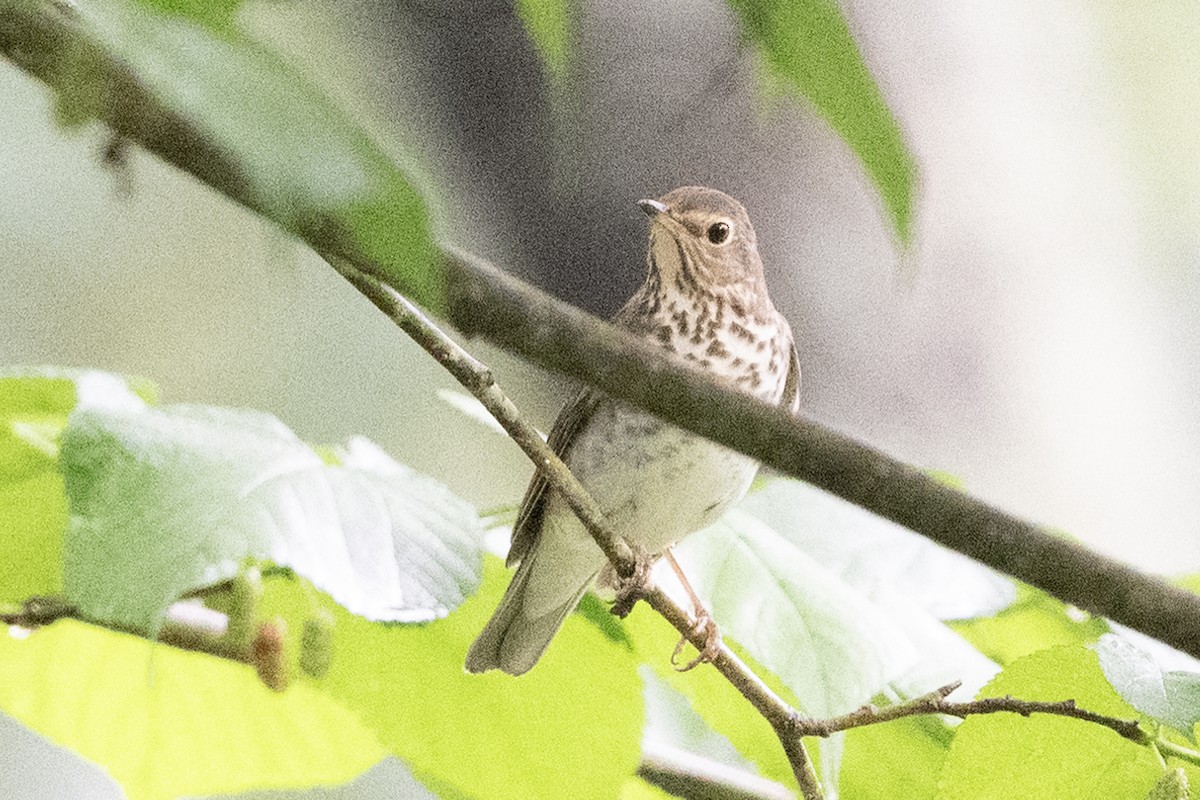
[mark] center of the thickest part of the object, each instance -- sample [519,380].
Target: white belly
[656,483]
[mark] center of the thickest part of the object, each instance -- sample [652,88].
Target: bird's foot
[704,626]
[630,590]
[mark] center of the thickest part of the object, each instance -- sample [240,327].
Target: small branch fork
[789,726]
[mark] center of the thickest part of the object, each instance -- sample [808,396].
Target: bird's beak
[653,208]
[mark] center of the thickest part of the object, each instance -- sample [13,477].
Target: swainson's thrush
[705,298]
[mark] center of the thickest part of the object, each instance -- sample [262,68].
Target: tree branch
[935,703]
[484,301]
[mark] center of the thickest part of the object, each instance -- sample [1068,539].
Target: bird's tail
[513,641]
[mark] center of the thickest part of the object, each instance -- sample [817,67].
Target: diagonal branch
[483,301]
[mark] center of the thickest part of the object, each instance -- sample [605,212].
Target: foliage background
[1038,340]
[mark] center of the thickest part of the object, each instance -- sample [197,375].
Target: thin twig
[935,703]
[1177,751]
[186,626]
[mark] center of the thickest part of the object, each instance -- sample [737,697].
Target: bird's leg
[704,623]
[630,590]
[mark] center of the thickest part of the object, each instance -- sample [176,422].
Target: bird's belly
[657,483]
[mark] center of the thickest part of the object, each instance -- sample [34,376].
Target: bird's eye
[718,232]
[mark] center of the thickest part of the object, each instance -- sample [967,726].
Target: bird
[705,299]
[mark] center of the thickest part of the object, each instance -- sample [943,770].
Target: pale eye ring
[718,232]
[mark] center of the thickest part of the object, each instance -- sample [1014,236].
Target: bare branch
[935,703]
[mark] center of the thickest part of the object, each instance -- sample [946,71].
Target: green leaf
[908,580]
[808,46]
[827,642]
[548,24]
[164,722]
[284,149]
[33,518]
[34,404]
[876,556]
[573,724]
[1173,785]
[1169,697]
[216,14]
[1034,622]
[712,697]
[896,759]
[167,500]
[1043,756]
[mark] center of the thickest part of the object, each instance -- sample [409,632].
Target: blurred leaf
[470,407]
[1043,756]
[286,150]
[896,759]
[167,500]
[829,645]
[547,22]
[215,14]
[1173,785]
[1036,621]
[572,725]
[34,404]
[1169,697]
[164,722]
[33,517]
[876,556]
[808,46]
[712,697]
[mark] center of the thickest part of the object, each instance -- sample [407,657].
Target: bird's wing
[529,519]
[791,385]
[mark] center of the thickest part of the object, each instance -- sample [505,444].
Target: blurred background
[1039,339]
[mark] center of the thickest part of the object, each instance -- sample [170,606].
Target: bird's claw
[704,626]
[630,590]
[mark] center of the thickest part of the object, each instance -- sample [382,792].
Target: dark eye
[718,232]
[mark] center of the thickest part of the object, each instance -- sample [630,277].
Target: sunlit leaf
[877,556]
[34,404]
[1036,621]
[826,643]
[166,723]
[167,500]
[1170,697]
[1001,756]
[570,726]
[896,759]
[808,46]
[712,697]
[905,578]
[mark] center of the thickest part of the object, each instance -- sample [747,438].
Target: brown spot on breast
[715,348]
[741,332]
[737,362]
[664,334]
